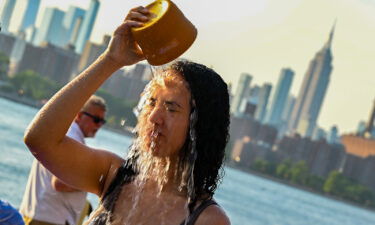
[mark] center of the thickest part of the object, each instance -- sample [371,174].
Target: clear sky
[261,37]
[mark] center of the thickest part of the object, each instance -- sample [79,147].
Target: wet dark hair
[210,95]
[210,115]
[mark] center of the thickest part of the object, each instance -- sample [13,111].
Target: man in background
[48,200]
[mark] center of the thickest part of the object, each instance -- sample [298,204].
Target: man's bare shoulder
[213,215]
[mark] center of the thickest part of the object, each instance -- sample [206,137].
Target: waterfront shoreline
[247,199]
[38,105]
[21,100]
[128,133]
[298,187]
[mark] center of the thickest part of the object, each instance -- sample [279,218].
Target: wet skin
[165,118]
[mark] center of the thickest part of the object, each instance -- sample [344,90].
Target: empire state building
[313,90]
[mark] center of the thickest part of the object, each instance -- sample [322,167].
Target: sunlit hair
[202,155]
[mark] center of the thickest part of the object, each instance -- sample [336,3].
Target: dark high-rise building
[6,43]
[290,102]
[241,92]
[313,90]
[333,135]
[49,61]
[280,97]
[264,94]
[285,117]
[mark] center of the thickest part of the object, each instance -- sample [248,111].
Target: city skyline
[261,37]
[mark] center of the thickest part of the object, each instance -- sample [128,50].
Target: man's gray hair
[96,101]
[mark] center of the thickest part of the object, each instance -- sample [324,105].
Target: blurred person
[9,215]
[49,200]
[174,165]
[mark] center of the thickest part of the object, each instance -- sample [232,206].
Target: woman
[173,166]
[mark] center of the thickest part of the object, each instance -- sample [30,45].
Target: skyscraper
[25,17]
[318,134]
[72,24]
[263,97]
[289,106]
[370,127]
[333,135]
[311,95]
[280,97]
[87,25]
[51,29]
[285,116]
[6,14]
[241,92]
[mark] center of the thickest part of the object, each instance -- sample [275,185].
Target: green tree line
[336,184]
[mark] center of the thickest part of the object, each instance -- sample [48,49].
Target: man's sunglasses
[96,119]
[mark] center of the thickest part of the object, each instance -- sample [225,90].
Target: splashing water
[159,170]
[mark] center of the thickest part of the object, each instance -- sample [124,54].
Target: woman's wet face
[164,120]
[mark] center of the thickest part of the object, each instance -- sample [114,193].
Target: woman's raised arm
[74,163]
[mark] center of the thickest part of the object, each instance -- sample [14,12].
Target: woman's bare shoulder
[114,162]
[213,215]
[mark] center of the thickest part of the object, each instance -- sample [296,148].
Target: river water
[247,199]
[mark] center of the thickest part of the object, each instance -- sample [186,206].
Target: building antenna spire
[329,42]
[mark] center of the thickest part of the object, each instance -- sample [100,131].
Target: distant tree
[337,184]
[4,65]
[334,183]
[299,173]
[31,84]
[315,182]
[283,168]
[360,194]
[260,165]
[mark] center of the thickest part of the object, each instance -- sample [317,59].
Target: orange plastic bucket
[166,36]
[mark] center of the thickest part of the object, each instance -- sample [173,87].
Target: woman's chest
[149,209]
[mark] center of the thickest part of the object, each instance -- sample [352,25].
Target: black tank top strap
[195,214]
[117,180]
[123,175]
